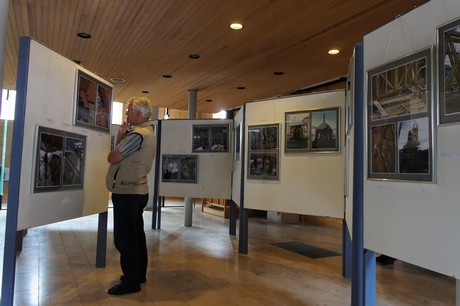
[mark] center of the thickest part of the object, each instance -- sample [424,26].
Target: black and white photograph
[179,168]
[263,137]
[60,160]
[210,138]
[263,166]
[263,152]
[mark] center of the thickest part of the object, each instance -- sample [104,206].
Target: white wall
[50,101]
[416,222]
[309,183]
[214,168]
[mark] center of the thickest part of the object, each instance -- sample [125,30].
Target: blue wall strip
[9,257]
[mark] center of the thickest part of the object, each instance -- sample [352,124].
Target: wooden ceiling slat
[143,39]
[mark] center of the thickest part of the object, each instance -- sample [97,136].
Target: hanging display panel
[449,74]
[400,129]
[59,160]
[263,152]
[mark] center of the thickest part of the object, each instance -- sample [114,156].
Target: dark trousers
[129,236]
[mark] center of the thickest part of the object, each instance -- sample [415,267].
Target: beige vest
[129,176]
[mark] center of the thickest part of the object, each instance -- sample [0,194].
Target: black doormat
[305,249]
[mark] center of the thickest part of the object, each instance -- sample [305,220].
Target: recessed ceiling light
[194,56]
[236,26]
[333,51]
[84,35]
[167,76]
[77,61]
[278,73]
[208,100]
[118,80]
[241,87]
[145,91]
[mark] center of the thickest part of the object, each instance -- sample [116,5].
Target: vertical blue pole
[357,295]
[9,257]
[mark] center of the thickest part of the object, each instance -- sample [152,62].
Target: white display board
[50,100]
[214,173]
[416,222]
[309,183]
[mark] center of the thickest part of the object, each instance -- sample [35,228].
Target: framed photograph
[449,74]
[401,88]
[400,129]
[179,168]
[263,137]
[297,128]
[263,152]
[60,160]
[325,131]
[210,138]
[312,130]
[93,103]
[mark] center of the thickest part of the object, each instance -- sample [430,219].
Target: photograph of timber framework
[399,91]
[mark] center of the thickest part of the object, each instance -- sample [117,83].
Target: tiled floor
[200,265]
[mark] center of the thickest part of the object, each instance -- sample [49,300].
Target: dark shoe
[385,260]
[143,281]
[123,289]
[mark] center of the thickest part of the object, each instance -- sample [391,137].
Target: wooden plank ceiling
[143,40]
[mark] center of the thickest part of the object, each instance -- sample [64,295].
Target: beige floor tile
[200,265]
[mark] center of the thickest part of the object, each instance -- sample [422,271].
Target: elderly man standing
[130,163]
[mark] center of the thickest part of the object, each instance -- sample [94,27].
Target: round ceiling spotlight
[145,91]
[278,73]
[236,26]
[194,56]
[333,51]
[84,35]
[241,87]
[208,100]
[77,61]
[167,76]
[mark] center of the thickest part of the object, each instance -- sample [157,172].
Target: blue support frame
[9,257]
[346,251]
